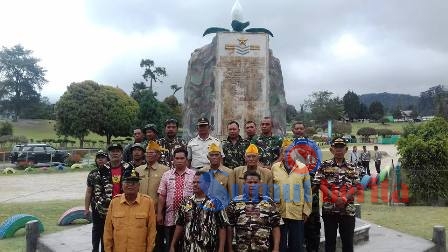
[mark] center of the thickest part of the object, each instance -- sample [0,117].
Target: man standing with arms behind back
[170,142]
[234,147]
[198,146]
[268,143]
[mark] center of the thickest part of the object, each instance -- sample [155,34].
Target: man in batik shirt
[234,147]
[254,217]
[200,220]
[339,181]
[170,142]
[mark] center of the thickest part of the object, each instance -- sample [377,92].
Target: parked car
[15,152]
[38,153]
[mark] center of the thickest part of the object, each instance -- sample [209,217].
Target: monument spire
[237,11]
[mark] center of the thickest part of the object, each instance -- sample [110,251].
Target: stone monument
[236,77]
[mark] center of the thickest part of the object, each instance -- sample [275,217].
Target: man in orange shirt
[131,219]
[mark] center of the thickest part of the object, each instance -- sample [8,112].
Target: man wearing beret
[131,219]
[339,181]
[151,174]
[197,146]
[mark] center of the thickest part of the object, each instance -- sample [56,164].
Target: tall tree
[152,73]
[325,107]
[291,113]
[78,109]
[351,105]
[120,113]
[376,110]
[20,77]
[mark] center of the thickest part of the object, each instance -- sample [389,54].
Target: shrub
[385,132]
[424,156]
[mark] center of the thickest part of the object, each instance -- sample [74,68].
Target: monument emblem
[241,47]
[236,77]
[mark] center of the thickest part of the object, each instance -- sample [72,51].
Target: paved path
[388,240]
[43,187]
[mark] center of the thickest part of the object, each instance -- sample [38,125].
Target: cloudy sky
[367,46]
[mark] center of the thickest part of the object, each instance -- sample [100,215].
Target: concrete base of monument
[368,237]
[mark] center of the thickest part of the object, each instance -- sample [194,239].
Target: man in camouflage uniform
[201,219]
[250,127]
[254,218]
[339,181]
[92,197]
[139,137]
[138,155]
[170,142]
[268,144]
[234,147]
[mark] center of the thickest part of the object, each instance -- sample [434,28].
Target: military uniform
[253,222]
[336,180]
[234,153]
[269,148]
[166,156]
[198,149]
[201,222]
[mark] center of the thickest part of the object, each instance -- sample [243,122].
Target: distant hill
[390,101]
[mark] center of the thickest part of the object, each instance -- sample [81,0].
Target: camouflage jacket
[101,180]
[166,157]
[269,148]
[234,153]
[253,222]
[338,181]
[201,222]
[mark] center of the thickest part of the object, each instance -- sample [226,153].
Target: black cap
[338,142]
[137,145]
[203,121]
[115,146]
[131,175]
[100,154]
[151,126]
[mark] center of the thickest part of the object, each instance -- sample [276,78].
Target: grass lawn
[414,220]
[392,126]
[48,212]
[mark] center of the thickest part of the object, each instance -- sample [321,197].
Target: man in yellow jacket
[292,190]
[131,220]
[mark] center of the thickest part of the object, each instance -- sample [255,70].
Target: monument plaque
[241,79]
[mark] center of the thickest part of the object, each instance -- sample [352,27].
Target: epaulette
[146,196]
[118,195]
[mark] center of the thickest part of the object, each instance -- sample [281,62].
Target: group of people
[363,158]
[241,194]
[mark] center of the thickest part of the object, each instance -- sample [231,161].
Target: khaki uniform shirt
[130,227]
[224,176]
[150,179]
[198,150]
[297,198]
[266,179]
